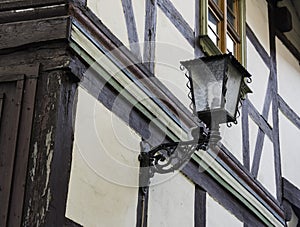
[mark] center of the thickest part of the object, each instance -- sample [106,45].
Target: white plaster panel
[171,48]
[110,12]
[288,86]
[260,74]
[103,184]
[288,70]
[266,172]
[253,130]
[187,9]
[216,215]
[257,19]
[232,139]
[171,203]
[290,146]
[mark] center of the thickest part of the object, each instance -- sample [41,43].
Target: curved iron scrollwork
[169,157]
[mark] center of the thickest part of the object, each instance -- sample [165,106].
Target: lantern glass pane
[207,80]
[233,90]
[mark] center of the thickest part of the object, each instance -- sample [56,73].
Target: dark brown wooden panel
[17,120]
[8,141]
[36,13]
[21,159]
[33,31]
[17,4]
[1,106]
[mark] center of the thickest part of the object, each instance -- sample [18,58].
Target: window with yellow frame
[222,27]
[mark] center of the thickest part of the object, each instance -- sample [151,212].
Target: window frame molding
[208,46]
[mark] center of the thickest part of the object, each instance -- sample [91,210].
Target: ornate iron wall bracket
[168,157]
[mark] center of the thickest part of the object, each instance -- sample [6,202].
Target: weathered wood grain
[17,4]
[245,136]
[199,207]
[33,31]
[50,150]
[10,119]
[150,34]
[24,132]
[32,14]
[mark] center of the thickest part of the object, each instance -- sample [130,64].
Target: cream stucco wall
[288,85]
[257,19]
[171,202]
[216,215]
[111,14]
[104,175]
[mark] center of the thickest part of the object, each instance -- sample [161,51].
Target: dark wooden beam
[10,122]
[177,20]
[19,4]
[71,223]
[33,31]
[31,73]
[131,28]
[258,46]
[33,14]
[198,20]
[288,112]
[245,135]
[150,34]
[143,194]
[199,207]
[50,150]
[260,133]
[288,44]
[291,193]
[274,92]
[259,120]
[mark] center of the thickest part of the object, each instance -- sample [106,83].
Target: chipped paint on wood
[34,158]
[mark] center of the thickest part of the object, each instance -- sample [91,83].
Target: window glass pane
[230,44]
[213,27]
[231,12]
[230,17]
[230,4]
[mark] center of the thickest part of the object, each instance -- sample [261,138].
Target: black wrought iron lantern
[217,85]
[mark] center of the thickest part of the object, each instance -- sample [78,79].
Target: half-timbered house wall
[85,86]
